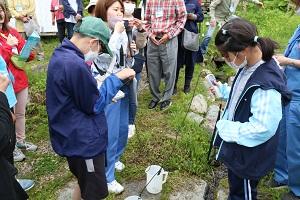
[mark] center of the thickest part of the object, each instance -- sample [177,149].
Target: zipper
[242,96]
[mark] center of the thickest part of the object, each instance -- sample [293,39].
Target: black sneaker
[186,89]
[289,196]
[275,185]
[152,104]
[165,105]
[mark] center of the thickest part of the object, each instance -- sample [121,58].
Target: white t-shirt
[73,4]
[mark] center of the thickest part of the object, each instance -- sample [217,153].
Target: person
[72,95]
[73,11]
[117,113]
[56,9]
[287,168]
[12,43]
[25,21]
[186,57]
[163,24]
[139,34]
[10,187]
[247,133]
[91,7]
[220,11]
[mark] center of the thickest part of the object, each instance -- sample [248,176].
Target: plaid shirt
[165,17]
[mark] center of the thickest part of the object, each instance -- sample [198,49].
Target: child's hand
[126,73]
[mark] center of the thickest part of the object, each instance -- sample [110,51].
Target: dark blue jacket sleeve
[80,7]
[82,87]
[68,9]
[108,90]
[198,12]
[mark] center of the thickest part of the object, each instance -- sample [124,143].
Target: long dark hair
[5,26]
[238,34]
[102,6]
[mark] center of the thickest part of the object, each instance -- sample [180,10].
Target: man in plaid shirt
[165,19]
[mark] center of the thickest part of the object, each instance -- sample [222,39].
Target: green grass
[184,158]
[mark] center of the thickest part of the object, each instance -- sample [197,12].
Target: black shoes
[165,105]
[152,104]
[186,89]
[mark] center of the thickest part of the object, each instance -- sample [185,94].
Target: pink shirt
[54,8]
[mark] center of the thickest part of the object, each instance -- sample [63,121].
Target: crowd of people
[93,79]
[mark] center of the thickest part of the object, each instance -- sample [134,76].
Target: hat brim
[88,6]
[107,50]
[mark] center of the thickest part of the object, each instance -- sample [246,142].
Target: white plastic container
[158,178]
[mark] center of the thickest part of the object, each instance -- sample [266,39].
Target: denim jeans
[206,39]
[70,27]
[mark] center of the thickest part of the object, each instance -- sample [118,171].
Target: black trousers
[61,30]
[187,58]
[241,189]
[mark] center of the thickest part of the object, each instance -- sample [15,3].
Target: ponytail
[267,47]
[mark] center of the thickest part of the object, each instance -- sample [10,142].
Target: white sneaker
[131,130]
[18,155]
[115,187]
[119,166]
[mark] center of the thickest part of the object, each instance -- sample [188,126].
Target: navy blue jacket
[68,10]
[75,107]
[254,162]
[193,6]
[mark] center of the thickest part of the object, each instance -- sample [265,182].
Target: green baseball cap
[96,28]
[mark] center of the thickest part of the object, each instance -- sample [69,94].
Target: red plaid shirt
[170,20]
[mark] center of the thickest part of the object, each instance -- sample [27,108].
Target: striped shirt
[165,17]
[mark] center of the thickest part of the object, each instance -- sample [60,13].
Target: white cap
[92,3]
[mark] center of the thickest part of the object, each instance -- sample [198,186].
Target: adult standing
[73,11]
[56,8]
[12,43]
[187,57]
[164,21]
[220,11]
[10,188]
[287,168]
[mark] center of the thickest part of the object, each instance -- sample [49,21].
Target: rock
[211,117]
[134,188]
[195,117]
[195,191]
[66,193]
[222,195]
[199,104]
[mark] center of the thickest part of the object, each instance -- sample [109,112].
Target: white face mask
[90,55]
[298,11]
[235,66]
[129,8]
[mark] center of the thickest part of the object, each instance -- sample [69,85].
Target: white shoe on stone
[115,187]
[131,131]
[119,166]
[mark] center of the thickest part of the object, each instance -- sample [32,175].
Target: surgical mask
[129,8]
[90,56]
[113,20]
[298,11]
[235,66]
